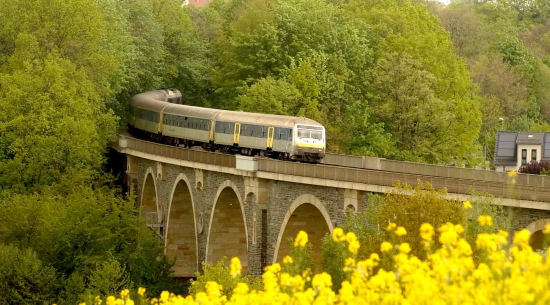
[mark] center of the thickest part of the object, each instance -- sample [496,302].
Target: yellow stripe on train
[310,145]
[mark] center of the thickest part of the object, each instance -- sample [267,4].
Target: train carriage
[162,116]
[189,123]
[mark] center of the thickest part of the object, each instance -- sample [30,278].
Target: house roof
[505,148]
[530,138]
[507,143]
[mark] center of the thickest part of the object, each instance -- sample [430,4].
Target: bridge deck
[531,191]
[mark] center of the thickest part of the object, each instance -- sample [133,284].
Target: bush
[23,277]
[78,233]
[535,168]
[411,208]
[220,274]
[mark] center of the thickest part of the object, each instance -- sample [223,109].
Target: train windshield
[310,132]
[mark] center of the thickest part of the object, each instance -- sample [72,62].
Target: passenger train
[160,115]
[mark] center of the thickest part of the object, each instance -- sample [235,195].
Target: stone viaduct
[205,206]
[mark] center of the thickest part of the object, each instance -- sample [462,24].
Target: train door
[270,133]
[237,133]
[211,135]
[161,120]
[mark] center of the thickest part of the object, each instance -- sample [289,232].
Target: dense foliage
[506,45]
[506,274]
[382,76]
[403,79]
[66,71]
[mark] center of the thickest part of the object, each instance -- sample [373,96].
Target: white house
[513,149]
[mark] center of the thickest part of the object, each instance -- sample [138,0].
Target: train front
[309,143]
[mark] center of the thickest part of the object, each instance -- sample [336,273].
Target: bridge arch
[537,240]
[227,231]
[181,238]
[306,213]
[149,198]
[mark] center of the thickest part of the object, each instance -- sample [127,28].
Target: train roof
[151,100]
[156,100]
[263,119]
[197,112]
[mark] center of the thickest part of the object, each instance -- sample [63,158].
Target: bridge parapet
[434,170]
[177,152]
[506,189]
[385,173]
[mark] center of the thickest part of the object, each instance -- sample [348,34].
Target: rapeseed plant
[505,274]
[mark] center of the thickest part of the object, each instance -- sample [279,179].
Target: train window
[219,128]
[283,134]
[225,127]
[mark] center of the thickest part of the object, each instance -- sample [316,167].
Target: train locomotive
[161,116]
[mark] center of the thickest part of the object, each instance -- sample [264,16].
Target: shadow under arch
[181,238]
[149,199]
[538,240]
[308,214]
[227,231]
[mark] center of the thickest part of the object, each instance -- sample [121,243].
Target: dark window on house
[533,155]
[523,156]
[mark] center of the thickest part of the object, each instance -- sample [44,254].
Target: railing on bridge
[434,170]
[374,171]
[523,188]
[177,153]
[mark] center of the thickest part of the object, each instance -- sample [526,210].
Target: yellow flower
[322,280]
[385,247]
[426,231]
[301,239]
[288,260]
[485,220]
[241,289]
[165,294]
[400,231]
[512,174]
[522,237]
[213,289]
[235,267]
[391,226]
[124,293]
[404,248]
[354,246]
[467,205]
[546,229]
[141,291]
[110,300]
[338,235]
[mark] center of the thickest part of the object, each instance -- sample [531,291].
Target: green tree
[269,95]
[77,232]
[53,124]
[24,279]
